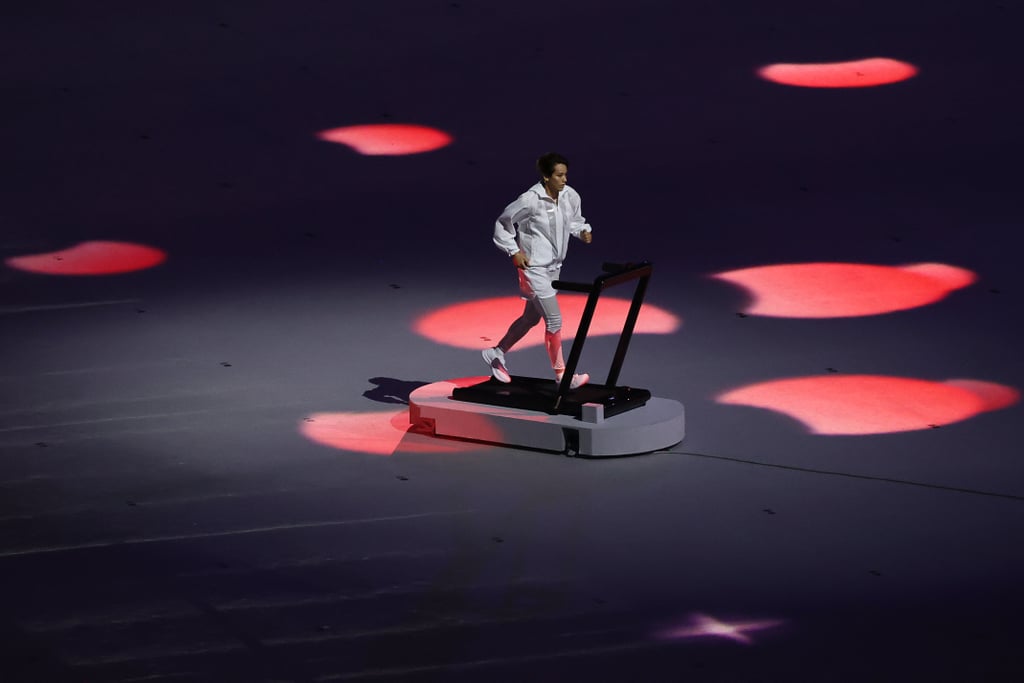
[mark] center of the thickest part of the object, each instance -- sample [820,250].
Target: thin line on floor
[851,475]
[11,310]
[221,534]
[496,661]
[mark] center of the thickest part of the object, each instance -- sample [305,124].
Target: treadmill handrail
[615,274]
[620,274]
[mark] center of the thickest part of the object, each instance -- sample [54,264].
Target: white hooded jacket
[540,227]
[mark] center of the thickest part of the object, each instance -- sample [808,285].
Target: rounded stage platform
[658,424]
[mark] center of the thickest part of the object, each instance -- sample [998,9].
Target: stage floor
[208,472]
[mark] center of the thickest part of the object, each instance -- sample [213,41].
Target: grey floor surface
[162,516]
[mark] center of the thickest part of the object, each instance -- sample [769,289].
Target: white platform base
[658,424]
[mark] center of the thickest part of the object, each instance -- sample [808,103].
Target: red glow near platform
[91,258]
[873,404]
[478,324]
[388,139]
[369,432]
[839,290]
[861,73]
[382,432]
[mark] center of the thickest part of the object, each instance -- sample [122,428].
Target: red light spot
[91,258]
[444,387]
[993,396]
[838,290]
[388,139]
[352,431]
[478,324]
[856,74]
[872,404]
[380,432]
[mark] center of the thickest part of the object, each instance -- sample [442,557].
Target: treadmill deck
[531,393]
[657,424]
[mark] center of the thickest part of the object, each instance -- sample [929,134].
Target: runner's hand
[519,260]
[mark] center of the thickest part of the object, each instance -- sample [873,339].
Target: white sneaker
[495,358]
[577,381]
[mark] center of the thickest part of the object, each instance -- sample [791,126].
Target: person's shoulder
[532,194]
[570,193]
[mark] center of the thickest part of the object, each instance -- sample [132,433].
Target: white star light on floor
[704,626]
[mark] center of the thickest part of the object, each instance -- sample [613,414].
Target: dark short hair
[546,164]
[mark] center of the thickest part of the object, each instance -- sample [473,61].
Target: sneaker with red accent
[495,358]
[576,382]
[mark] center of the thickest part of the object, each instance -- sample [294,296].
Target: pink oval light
[381,432]
[477,324]
[861,73]
[872,404]
[369,432]
[91,258]
[388,139]
[838,290]
[993,396]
